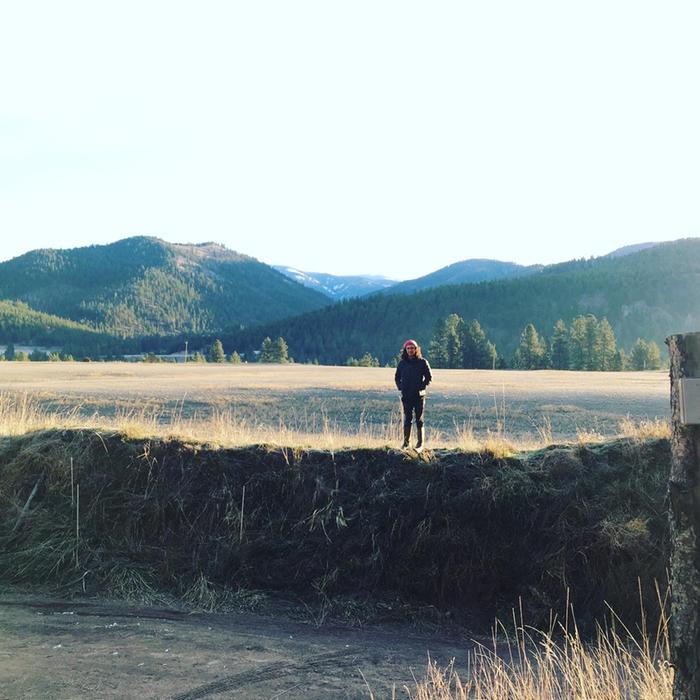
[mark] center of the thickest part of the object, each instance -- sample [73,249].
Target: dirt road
[93,649]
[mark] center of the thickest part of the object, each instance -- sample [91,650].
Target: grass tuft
[658,429]
[559,664]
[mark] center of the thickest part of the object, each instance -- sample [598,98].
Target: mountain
[143,285]
[466,271]
[649,294]
[626,250]
[337,287]
[19,322]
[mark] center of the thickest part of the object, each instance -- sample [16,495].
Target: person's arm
[397,376]
[427,374]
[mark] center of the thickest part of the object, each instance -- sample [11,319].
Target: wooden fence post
[684,493]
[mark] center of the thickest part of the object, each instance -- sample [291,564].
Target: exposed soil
[103,649]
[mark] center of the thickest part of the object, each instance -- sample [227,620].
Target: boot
[406,436]
[421,435]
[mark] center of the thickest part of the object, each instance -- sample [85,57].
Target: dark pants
[413,404]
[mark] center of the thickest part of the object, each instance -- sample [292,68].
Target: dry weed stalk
[645,429]
[560,665]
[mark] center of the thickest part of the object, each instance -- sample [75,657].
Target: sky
[386,138]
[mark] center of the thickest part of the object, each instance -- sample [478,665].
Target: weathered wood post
[684,492]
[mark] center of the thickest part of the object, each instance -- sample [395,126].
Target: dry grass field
[328,407]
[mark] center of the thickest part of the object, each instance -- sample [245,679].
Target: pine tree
[266,350]
[366,360]
[584,345]
[559,346]
[645,355]
[445,349]
[235,358]
[280,351]
[592,344]
[532,351]
[437,351]
[217,353]
[620,361]
[477,351]
[607,346]
[10,352]
[653,355]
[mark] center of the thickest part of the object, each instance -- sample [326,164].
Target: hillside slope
[19,322]
[143,285]
[464,272]
[648,294]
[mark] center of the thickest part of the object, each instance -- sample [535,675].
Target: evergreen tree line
[587,344]
[271,352]
[10,354]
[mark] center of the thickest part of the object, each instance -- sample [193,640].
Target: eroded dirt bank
[84,512]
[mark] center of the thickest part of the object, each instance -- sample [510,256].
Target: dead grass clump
[657,429]
[560,664]
[629,536]
[556,666]
[134,583]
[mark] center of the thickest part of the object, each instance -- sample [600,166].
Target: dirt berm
[92,512]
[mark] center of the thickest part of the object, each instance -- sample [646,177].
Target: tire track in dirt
[341,659]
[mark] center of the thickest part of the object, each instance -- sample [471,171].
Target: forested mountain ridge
[464,272]
[649,294]
[145,286]
[19,322]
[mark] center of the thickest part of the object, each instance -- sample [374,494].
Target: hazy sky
[351,137]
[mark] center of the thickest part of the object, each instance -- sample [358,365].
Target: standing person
[412,376]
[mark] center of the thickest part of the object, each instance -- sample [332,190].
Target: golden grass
[559,665]
[645,429]
[24,413]
[335,407]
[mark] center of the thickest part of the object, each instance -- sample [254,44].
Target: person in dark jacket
[412,376]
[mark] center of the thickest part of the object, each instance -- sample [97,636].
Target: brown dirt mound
[453,530]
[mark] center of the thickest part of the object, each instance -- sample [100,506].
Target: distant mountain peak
[629,249]
[471,270]
[337,287]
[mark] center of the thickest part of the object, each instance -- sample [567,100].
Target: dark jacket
[412,376]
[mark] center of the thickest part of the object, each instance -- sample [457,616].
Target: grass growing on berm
[464,535]
[455,530]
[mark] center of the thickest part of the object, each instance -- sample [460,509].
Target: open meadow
[328,407]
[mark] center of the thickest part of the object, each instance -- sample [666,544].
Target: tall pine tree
[477,351]
[532,350]
[280,351]
[445,349]
[217,353]
[559,346]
